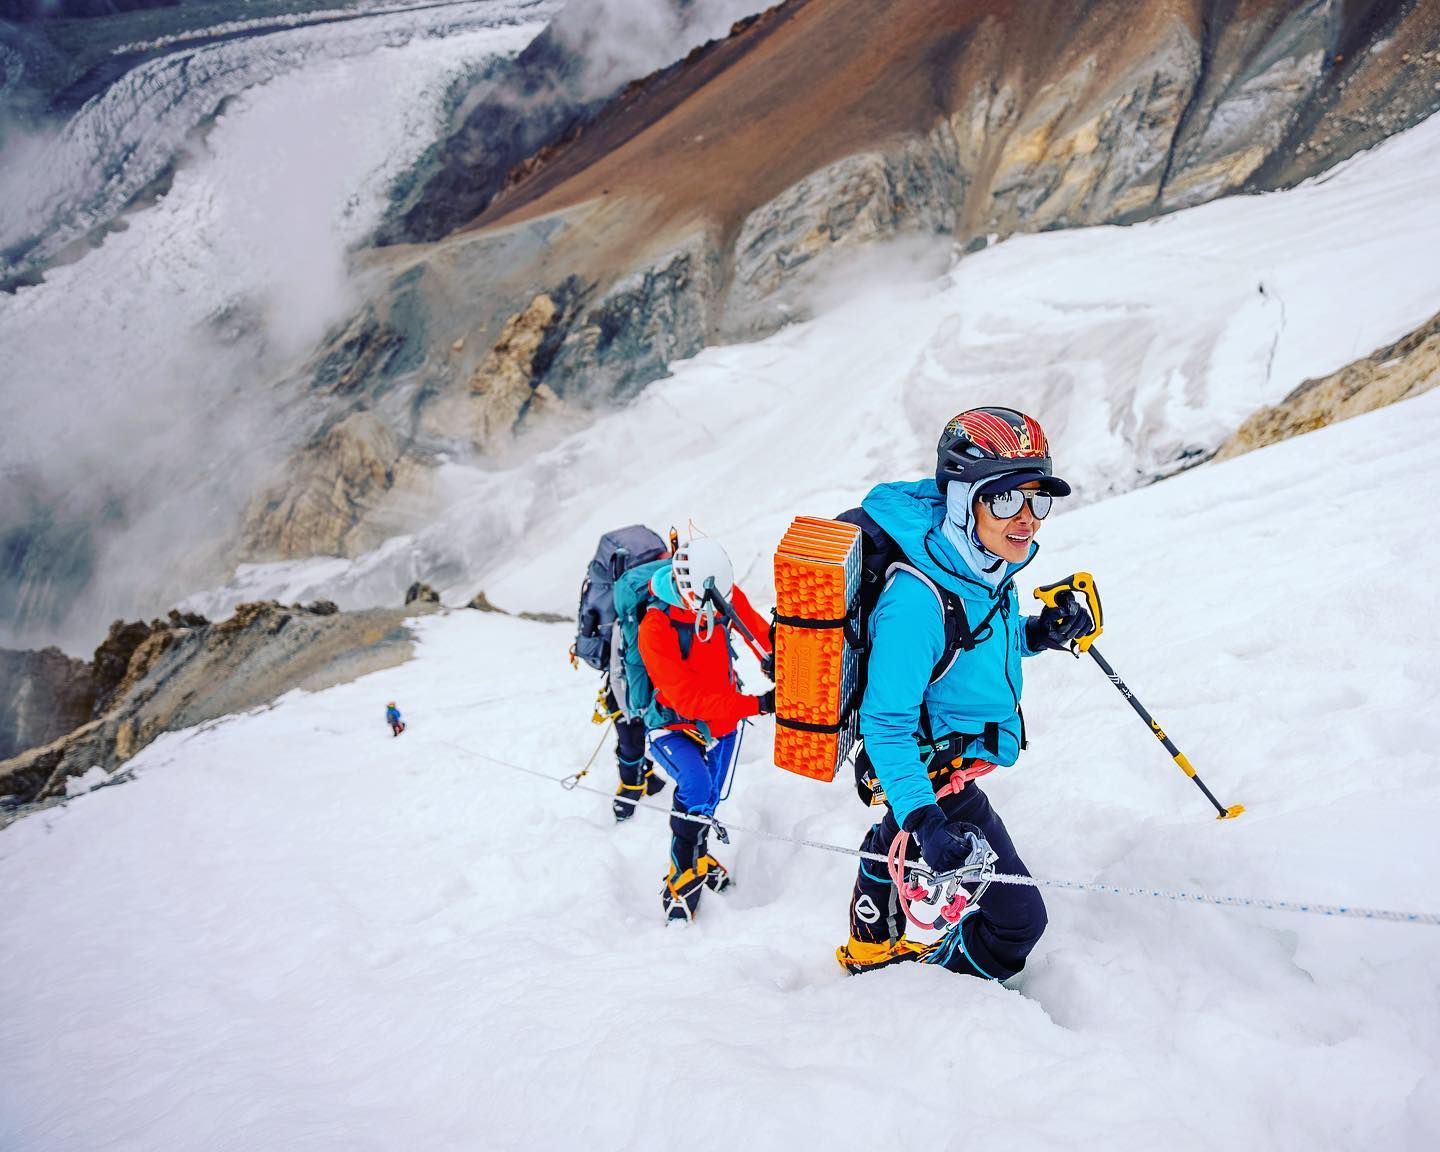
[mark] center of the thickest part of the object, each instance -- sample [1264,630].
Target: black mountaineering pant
[630,751]
[991,942]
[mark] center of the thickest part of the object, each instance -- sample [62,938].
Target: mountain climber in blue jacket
[969,532]
[392,717]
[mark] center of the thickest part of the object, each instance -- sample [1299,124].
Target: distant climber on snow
[392,717]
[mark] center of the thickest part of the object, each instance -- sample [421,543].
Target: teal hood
[912,512]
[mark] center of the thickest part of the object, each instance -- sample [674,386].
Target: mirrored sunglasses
[1007,505]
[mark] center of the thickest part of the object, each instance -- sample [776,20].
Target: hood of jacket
[912,512]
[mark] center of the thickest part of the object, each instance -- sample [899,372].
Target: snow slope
[293,931]
[1138,348]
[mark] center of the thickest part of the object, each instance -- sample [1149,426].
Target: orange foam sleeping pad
[817,576]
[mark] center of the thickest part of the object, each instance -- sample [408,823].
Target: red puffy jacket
[701,686]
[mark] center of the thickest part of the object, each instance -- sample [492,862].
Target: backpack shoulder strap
[959,636]
[684,633]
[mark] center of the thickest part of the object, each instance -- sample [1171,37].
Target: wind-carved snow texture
[1148,345]
[139,406]
[56,189]
[293,931]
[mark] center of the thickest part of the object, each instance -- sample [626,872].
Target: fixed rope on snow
[1311,907]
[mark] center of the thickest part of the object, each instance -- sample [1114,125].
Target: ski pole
[1084,583]
[714,593]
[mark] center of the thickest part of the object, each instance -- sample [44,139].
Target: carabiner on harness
[940,900]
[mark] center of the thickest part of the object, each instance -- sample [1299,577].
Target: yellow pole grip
[1084,584]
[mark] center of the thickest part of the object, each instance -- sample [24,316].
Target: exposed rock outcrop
[348,468]
[181,674]
[626,337]
[1406,368]
[505,387]
[46,695]
[482,603]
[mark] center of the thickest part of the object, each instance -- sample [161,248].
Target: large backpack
[630,682]
[817,749]
[618,552]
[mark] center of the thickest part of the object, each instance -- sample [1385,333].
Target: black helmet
[986,442]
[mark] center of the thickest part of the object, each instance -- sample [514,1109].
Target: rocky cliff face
[692,207]
[518,108]
[48,694]
[147,679]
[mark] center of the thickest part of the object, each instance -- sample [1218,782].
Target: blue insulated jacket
[907,639]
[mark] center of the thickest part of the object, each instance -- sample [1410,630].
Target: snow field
[295,931]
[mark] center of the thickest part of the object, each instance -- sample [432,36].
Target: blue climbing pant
[702,778]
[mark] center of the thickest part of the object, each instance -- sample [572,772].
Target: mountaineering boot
[684,885]
[862,956]
[626,794]
[680,897]
[716,875]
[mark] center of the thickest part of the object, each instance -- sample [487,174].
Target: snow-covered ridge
[334,938]
[290,20]
[57,189]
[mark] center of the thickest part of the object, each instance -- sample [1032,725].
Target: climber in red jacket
[686,647]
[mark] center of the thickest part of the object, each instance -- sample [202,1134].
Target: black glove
[767,665]
[767,703]
[945,845]
[1056,627]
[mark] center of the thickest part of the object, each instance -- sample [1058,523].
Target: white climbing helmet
[695,562]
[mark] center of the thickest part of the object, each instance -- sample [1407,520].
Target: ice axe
[1084,584]
[716,597]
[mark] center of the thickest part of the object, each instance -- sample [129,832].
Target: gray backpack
[618,552]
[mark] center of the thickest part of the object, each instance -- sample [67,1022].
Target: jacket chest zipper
[1005,620]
